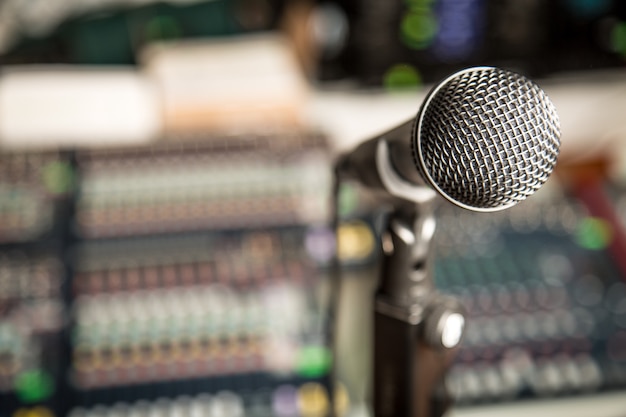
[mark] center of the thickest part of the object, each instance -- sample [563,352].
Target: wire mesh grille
[487,138]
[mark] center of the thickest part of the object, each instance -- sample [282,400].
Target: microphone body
[484,139]
[361,161]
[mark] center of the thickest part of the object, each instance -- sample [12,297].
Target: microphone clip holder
[416,329]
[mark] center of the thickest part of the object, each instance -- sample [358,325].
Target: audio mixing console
[180,276]
[546,301]
[193,277]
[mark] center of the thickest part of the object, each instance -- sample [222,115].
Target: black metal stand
[416,329]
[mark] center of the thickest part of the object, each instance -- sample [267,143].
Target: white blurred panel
[44,107]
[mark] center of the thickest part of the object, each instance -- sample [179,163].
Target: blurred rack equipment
[544,293]
[35,194]
[545,299]
[188,277]
[402,43]
[198,272]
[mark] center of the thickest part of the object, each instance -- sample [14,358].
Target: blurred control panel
[181,277]
[404,43]
[546,300]
[543,285]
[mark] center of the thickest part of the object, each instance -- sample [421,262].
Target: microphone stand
[416,329]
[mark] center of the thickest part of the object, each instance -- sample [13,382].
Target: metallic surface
[394,183]
[486,138]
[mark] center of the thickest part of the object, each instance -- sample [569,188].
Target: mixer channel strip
[545,301]
[176,188]
[207,308]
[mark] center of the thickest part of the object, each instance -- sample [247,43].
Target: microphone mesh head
[486,138]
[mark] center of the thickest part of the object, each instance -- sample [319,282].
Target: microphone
[484,139]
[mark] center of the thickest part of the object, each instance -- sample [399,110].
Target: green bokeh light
[402,76]
[313,361]
[594,233]
[347,200]
[58,177]
[163,28]
[419,4]
[618,38]
[34,386]
[418,29]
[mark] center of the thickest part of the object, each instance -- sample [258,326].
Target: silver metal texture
[486,138]
[396,185]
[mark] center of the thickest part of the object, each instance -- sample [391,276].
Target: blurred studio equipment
[175,238]
[415,41]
